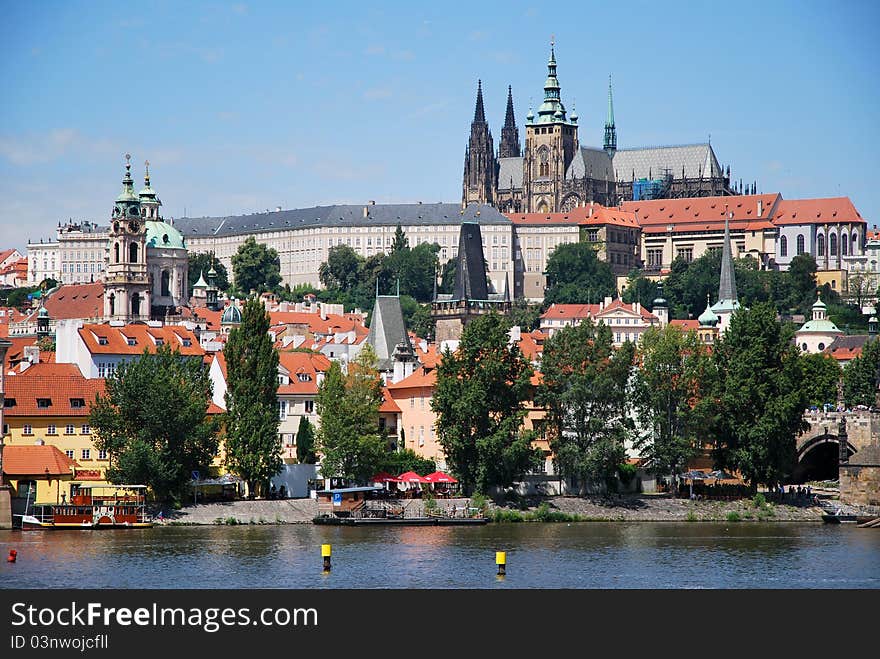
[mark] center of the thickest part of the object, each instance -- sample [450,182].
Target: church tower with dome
[167,259]
[126,284]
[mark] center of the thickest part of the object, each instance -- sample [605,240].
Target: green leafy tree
[671,381]
[758,396]
[822,374]
[860,376]
[583,389]
[305,442]
[527,316]
[200,264]
[348,405]
[398,462]
[480,406]
[575,275]
[256,267]
[252,447]
[400,241]
[639,289]
[341,269]
[417,317]
[447,277]
[153,424]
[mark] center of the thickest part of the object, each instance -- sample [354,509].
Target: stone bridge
[818,454]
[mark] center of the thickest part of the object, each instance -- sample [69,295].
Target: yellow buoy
[501,562]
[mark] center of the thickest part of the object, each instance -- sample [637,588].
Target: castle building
[556,174]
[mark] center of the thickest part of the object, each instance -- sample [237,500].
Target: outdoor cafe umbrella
[383,477]
[410,477]
[720,475]
[440,477]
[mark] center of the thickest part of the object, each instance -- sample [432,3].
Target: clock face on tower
[133,226]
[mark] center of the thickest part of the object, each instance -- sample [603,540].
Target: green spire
[610,145]
[127,193]
[552,110]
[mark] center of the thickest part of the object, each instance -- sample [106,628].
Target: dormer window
[131,341]
[186,343]
[304,377]
[77,403]
[102,341]
[9,402]
[44,402]
[159,341]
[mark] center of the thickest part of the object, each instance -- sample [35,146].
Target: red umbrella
[383,477]
[440,477]
[411,477]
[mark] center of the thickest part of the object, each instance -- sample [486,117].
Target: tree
[670,383]
[447,277]
[398,462]
[639,289]
[400,241]
[583,390]
[341,269]
[860,376]
[256,267]
[758,396]
[417,317]
[822,375]
[200,264]
[153,424]
[305,442]
[348,405]
[527,316]
[252,447]
[479,401]
[575,275]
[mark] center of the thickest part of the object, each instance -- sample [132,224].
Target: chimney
[372,202]
[760,207]
[366,212]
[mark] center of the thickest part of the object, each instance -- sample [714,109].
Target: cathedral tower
[509,147]
[480,167]
[126,286]
[551,144]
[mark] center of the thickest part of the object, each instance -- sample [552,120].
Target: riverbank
[623,508]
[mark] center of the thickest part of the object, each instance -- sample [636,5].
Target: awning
[440,477]
[411,477]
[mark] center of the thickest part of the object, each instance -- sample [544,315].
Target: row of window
[80,267]
[52,429]
[820,245]
[85,454]
[283,408]
[45,403]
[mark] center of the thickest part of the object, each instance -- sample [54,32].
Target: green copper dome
[708,318]
[162,234]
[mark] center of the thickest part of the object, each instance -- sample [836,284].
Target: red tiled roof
[421,377]
[816,211]
[16,353]
[331,324]
[6,253]
[76,301]
[213,408]
[58,386]
[305,364]
[582,215]
[109,340]
[705,213]
[36,461]
[617,304]
[388,404]
[570,311]
[685,324]
[531,344]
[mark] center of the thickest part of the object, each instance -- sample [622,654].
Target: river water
[582,555]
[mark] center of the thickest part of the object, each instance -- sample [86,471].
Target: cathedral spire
[509,147]
[610,145]
[479,113]
[552,110]
[727,285]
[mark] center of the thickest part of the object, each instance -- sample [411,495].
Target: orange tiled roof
[388,404]
[570,311]
[305,364]
[685,324]
[36,461]
[15,353]
[60,392]
[6,253]
[76,301]
[421,377]
[705,213]
[582,215]
[331,324]
[531,344]
[109,340]
[816,211]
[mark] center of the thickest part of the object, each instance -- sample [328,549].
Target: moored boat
[95,507]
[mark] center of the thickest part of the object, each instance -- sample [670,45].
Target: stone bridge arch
[818,448]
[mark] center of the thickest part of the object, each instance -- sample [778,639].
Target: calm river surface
[584,555]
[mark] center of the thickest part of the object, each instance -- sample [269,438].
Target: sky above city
[242,107]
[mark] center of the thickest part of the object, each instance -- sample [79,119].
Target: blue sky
[244,106]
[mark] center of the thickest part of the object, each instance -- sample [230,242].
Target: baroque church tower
[480,166]
[509,147]
[551,144]
[126,285]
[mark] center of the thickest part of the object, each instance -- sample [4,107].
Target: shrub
[733,516]
[480,502]
[691,516]
[505,515]
[759,501]
[626,472]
